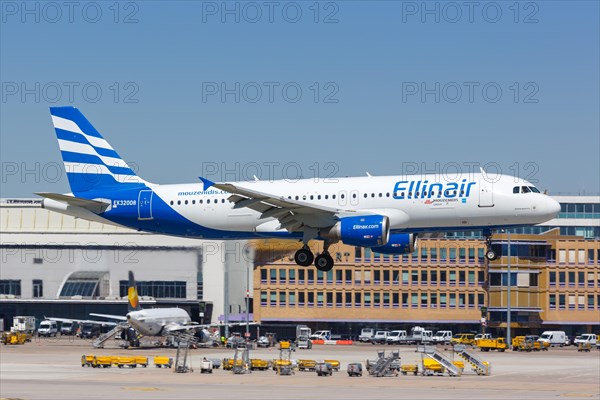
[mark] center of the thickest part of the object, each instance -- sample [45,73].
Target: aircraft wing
[110,316]
[291,214]
[80,321]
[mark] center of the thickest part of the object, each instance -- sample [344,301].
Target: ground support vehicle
[335,364]
[584,347]
[355,369]
[160,362]
[324,369]
[491,344]
[463,338]
[257,364]
[141,361]
[14,338]
[206,366]
[307,365]
[409,369]
[103,362]
[87,360]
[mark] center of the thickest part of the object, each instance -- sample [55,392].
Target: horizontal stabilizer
[95,206]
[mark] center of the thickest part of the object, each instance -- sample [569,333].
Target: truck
[419,335]
[491,344]
[366,334]
[303,333]
[68,328]
[396,337]
[24,324]
[442,337]
[553,338]
[324,335]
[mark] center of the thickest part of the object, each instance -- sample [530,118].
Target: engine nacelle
[399,243]
[364,231]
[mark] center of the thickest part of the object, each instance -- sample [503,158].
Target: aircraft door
[486,193]
[145,204]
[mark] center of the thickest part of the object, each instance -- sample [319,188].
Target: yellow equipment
[491,344]
[87,361]
[335,364]
[463,338]
[160,362]
[409,368]
[307,365]
[103,361]
[126,362]
[258,364]
[14,338]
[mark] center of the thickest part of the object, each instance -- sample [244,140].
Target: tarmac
[51,368]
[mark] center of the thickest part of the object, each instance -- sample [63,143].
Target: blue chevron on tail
[91,163]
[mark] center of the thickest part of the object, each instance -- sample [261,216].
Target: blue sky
[233,89]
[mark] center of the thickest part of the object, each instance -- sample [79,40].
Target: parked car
[68,328]
[586,338]
[90,330]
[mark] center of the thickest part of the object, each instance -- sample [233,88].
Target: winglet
[207,183]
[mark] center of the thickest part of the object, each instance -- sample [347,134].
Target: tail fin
[91,163]
[132,294]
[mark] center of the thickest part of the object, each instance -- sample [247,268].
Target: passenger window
[172,202]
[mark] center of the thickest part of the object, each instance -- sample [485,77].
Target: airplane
[383,213]
[148,322]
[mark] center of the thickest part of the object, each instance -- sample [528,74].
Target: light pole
[508,335]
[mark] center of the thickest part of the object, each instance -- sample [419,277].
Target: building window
[273,277]
[348,276]
[329,299]
[348,299]
[433,300]
[414,300]
[404,300]
[552,279]
[414,278]
[263,298]
[386,277]
[367,299]
[480,299]
[471,278]
[461,300]
[292,302]
[452,278]
[552,301]
[292,276]
[395,300]
[581,279]
[562,301]
[320,299]
[156,289]
[461,278]
[301,299]
[273,299]
[311,276]
[357,299]
[423,300]
[433,280]
[263,276]
[442,300]
[571,279]
[301,276]
[386,300]
[357,277]
[320,277]
[311,299]
[443,252]
[533,280]
[377,277]
[10,286]
[443,279]
[38,288]
[423,277]
[471,300]
[590,301]
[367,277]
[282,276]
[452,300]
[590,279]
[339,275]
[338,299]
[377,299]
[395,277]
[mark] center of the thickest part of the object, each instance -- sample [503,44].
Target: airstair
[242,354]
[183,357]
[439,357]
[100,340]
[479,366]
[383,365]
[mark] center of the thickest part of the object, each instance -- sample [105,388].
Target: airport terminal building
[56,265]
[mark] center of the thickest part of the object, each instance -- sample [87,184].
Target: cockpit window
[525,189]
[516,189]
[534,189]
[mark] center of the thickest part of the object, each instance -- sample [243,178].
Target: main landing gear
[323,262]
[490,253]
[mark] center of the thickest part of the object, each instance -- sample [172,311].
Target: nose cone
[552,207]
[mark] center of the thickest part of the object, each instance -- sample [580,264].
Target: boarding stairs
[242,354]
[444,361]
[183,356]
[479,366]
[383,365]
[100,340]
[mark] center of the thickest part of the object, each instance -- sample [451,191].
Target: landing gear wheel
[490,254]
[324,262]
[304,257]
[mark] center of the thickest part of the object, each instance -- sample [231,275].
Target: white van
[553,338]
[590,338]
[442,337]
[48,328]
[396,337]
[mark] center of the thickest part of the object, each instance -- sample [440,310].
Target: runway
[51,369]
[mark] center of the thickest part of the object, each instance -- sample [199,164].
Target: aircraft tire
[304,257]
[324,262]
